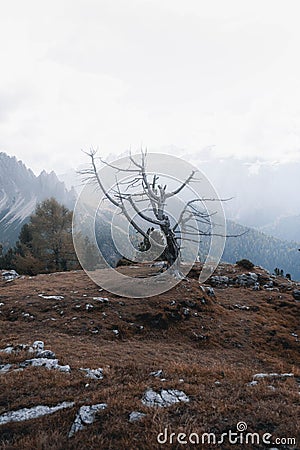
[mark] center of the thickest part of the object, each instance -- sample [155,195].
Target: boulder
[5,368]
[9,275]
[296,294]
[135,416]
[94,374]
[219,280]
[85,416]
[32,413]
[45,362]
[166,397]
[248,279]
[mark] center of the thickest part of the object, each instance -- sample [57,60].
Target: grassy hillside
[209,347]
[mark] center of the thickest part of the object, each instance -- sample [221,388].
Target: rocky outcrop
[166,397]
[32,413]
[85,416]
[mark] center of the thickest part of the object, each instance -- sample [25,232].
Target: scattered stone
[95,374]
[32,413]
[17,348]
[186,312]
[259,376]
[166,397]
[46,354]
[157,374]
[5,368]
[38,345]
[248,279]
[242,307]
[253,276]
[51,297]
[95,330]
[9,275]
[101,299]
[219,280]
[88,306]
[85,416]
[252,383]
[27,315]
[218,383]
[9,349]
[269,285]
[116,332]
[135,416]
[296,294]
[44,362]
[199,337]
[256,287]
[210,292]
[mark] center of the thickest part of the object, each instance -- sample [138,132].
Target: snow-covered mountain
[20,191]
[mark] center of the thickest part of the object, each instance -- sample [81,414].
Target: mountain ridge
[20,191]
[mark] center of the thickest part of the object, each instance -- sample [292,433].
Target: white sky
[119,74]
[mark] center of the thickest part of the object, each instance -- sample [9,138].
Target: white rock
[5,368]
[32,413]
[166,397]
[8,350]
[9,275]
[157,374]
[85,416]
[135,416]
[45,362]
[51,297]
[258,376]
[46,354]
[95,374]
[38,345]
[101,299]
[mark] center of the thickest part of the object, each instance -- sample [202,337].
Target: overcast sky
[119,74]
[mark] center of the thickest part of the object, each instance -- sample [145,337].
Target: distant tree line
[45,243]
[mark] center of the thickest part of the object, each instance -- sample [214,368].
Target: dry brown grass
[217,343]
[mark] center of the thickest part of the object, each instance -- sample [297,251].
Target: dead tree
[144,188]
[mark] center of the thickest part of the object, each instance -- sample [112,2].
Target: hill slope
[209,347]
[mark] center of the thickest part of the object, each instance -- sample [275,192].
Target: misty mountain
[284,228]
[20,191]
[262,249]
[264,193]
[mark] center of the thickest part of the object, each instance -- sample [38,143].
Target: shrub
[245,263]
